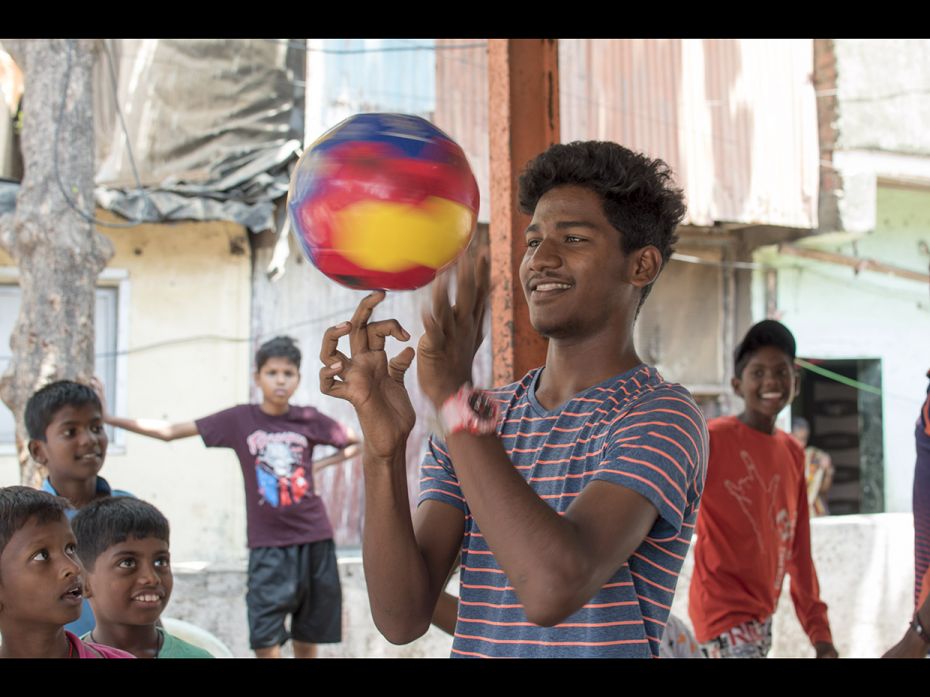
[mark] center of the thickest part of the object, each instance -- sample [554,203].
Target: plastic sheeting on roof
[212,128]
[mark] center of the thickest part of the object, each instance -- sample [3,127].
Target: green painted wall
[837,313]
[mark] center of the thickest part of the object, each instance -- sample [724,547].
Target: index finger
[358,337]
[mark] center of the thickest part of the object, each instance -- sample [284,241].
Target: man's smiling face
[574,273]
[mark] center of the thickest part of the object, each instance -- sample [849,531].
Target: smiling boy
[123,544]
[754,526]
[292,557]
[64,420]
[570,493]
[41,579]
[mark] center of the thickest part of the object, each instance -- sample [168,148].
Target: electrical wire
[836,377]
[381,49]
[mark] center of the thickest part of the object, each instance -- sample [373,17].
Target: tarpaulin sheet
[212,128]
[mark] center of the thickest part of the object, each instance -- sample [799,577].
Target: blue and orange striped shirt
[634,430]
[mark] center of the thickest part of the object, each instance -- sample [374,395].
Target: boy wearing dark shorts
[292,559]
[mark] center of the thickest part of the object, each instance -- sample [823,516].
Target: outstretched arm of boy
[154,428]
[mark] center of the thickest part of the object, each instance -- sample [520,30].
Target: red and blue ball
[383,201]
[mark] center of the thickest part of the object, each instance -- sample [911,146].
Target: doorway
[846,421]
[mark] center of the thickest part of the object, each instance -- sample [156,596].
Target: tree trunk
[59,253]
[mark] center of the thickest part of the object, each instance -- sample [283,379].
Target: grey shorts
[301,581]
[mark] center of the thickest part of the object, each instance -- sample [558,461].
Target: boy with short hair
[41,579]
[292,558]
[123,544]
[64,420]
[754,525]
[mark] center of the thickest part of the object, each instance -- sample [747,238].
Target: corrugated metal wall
[735,119]
[462,106]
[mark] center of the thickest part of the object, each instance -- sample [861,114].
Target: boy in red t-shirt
[753,526]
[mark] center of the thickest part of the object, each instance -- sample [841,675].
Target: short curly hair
[639,194]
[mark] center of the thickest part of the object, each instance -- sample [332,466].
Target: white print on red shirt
[753,495]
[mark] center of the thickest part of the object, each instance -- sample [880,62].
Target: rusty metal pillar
[523,120]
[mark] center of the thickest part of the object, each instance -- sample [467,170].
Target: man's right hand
[368,380]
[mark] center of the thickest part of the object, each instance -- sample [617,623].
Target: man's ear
[797,382]
[37,451]
[647,263]
[88,586]
[735,383]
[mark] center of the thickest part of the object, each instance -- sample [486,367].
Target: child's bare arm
[350,450]
[154,428]
[347,453]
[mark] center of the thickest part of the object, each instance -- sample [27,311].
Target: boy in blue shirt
[64,420]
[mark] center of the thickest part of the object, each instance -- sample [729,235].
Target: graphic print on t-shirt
[753,495]
[282,480]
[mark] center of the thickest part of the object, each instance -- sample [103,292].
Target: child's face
[75,443]
[131,582]
[41,578]
[767,382]
[278,378]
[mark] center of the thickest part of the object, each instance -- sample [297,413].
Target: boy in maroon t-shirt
[292,558]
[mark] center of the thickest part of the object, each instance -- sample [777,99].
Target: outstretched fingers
[441,307]
[466,286]
[358,336]
[482,284]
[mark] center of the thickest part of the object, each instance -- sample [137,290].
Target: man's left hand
[453,333]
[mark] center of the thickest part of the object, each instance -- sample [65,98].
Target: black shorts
[301,581]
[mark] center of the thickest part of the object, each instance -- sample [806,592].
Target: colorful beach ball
[383,201]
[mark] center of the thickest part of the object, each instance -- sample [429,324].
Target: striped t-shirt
[635,430]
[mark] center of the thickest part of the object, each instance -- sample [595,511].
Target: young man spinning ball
[572,493]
